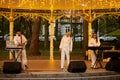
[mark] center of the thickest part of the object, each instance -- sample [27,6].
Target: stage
[50,70]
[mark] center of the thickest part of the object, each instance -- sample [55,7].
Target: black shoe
[63,70]
[94,68]
[26,67]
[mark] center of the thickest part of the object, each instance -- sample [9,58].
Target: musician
[93,42]
[20,40]
[65,49]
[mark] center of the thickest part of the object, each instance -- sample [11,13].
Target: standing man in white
[93,42]
[66,45]
[20,40]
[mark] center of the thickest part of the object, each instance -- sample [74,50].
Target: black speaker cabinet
[113,65]
[12,67]
[77,66]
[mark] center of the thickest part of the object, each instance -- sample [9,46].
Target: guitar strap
[22,43]
[21,39]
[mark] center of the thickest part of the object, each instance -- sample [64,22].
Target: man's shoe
[63,70]
[26,67]
[94,67]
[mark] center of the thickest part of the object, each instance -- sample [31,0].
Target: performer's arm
[61,44]
[71,45]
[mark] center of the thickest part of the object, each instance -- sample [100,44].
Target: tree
[108,23]
[85,36]
[34,46]
[46,34]
[95,25]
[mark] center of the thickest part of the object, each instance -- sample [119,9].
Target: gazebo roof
[87,9]
[60,4]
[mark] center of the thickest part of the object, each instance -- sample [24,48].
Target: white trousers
[65,53]
[22,57]
[93,58]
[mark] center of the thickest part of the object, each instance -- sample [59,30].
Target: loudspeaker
[112,54]
[12,67]
[77,66]
[113,65]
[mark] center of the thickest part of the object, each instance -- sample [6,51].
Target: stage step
[45,70]
[49,75]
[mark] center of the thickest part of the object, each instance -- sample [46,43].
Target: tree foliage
[106,23]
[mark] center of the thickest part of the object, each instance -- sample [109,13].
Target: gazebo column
[89,30]
[51,21]
[89,35]
[11,29]
[51,39]
[11,32]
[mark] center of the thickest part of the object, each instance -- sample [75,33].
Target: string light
[62,4]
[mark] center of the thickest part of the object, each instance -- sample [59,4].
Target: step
[108,75]
[112,77]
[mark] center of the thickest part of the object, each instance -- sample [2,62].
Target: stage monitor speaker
[77,66]
[113,65]
[12,67]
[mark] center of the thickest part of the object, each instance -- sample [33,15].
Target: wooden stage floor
[50,70]
[47,65]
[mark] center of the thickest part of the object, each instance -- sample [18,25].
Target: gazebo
[55,9]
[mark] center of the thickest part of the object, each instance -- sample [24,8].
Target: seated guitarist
[93,42]
[20,40]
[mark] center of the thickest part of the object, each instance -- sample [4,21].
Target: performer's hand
[70,51]
[20,45]
[60,49]
[23,44]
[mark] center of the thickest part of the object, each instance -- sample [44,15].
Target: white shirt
[93,42]
[20,39]
[66,43]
